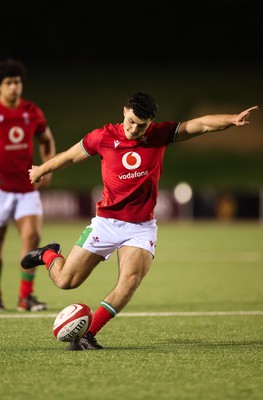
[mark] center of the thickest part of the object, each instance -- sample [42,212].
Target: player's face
[11,90]
[133,126]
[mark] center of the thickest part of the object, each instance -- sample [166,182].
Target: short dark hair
[143,105]
[12,68]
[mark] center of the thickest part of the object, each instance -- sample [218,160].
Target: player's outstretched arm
[213,123]
[59,161]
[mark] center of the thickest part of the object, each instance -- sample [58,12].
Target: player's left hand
[242,118]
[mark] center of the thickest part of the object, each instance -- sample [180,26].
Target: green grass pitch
[206,277]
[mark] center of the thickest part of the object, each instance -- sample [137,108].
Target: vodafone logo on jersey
[131,160]
[16,134]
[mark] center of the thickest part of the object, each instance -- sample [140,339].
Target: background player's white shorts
[18,205]
[104,235]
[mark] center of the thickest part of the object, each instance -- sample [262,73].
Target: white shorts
[18,205]
[104,235]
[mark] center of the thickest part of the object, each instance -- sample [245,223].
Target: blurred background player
[20,122]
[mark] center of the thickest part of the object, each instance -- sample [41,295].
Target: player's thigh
[29,227]
[134,261]
[80,263]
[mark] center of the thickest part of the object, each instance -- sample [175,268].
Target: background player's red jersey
[17,129]
[131,169]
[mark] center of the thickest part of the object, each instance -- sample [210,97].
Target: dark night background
[84,59]
[204,32]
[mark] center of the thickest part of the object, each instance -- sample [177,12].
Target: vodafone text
[131,175]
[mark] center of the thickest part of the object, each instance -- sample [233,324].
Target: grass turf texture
[198,267]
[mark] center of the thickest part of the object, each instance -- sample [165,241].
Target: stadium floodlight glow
[183,193]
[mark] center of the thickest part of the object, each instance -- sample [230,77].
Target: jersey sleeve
[164,133]
[41,121]
[172,127]
[91,142]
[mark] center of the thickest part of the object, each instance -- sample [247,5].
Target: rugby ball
[72,322]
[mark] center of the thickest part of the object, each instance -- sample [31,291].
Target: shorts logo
[16,134]
[131,160]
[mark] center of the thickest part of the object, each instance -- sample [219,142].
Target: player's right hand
[34,175]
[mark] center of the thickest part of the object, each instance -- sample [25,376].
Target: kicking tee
[130,169]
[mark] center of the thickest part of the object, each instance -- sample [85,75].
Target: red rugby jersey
[130,169]
[17,129]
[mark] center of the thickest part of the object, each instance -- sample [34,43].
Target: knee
[31,239]
[133,281]
[65,283]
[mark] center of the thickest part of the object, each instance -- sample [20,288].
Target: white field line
[148,314]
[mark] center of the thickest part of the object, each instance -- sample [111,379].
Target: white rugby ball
[72,322]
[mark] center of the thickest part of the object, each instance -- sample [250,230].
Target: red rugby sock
[26,284]
[49,256]
[100,318]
